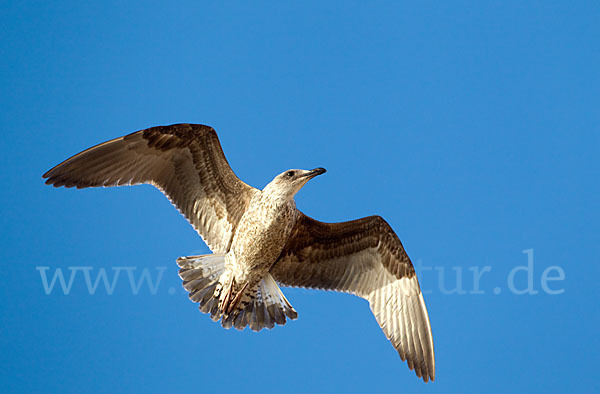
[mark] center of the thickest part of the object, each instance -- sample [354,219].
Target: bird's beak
[313,173]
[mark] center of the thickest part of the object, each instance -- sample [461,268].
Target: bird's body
[259,239]
[261,235]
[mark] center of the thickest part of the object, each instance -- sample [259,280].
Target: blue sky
[472,127]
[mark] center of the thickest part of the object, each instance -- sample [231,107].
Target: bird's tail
[260,307]
[200,275]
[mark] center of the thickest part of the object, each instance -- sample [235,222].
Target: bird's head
[288,183]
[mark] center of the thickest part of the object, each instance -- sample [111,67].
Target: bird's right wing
[366,258]
[185,161]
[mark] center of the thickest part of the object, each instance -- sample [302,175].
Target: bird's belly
[257,244]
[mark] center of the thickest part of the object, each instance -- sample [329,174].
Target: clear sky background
[472,127]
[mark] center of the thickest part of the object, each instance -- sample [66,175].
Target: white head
[288,183]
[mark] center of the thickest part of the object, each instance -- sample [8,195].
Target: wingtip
[428,376]
[46,175]
[49,180]
[425,374]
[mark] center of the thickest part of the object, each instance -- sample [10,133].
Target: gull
[259,239]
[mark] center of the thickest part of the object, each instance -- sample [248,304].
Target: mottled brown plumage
[260,239]
[184,161]
[363,257]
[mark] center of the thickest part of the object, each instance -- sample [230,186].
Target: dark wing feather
[366,258]
[185,161]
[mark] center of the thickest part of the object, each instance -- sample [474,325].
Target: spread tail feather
[200,275]
[260,307]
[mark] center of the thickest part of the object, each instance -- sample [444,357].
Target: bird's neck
[277,195]
[276,199]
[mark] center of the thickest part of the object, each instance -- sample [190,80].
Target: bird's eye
[289,174]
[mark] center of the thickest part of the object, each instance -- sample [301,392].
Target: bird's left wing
[366,258]
[185,161]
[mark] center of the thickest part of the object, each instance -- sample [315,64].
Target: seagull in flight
[259,239]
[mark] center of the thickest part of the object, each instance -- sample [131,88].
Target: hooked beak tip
[318,171]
